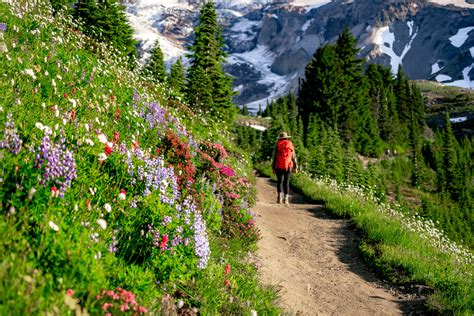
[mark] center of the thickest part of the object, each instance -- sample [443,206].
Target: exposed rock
[268,43]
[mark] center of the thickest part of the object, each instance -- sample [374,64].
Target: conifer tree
[61,4]
[352,88]
[209,88]
[156,64]
[105,20]
[402,91]
[176,76]
[415,154]
[449,157]
[319,91]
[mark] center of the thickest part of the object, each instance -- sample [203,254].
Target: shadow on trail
[346,246]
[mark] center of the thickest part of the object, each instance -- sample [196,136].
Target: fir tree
[61,4]
[176,76]
[402,91]
[105,20]
[449,158]
[209,88]
[319,91]
[156,63]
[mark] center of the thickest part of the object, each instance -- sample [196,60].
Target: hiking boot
[286,199]
[279,199]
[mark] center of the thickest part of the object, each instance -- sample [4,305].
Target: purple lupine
[201,242]
[153,173]
[166,220]
[113,245]
[12,141]
[56,163]
[3,27]
[156,115]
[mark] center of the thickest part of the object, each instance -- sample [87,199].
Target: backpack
[284,154]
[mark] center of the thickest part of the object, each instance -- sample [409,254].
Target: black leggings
[285,176]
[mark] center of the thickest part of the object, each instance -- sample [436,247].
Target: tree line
[345,109]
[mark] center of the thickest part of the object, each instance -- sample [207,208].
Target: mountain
[269,44]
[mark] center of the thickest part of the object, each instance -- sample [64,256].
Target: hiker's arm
[295,162]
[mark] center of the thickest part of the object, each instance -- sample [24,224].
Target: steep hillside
[269,44]
[115,198]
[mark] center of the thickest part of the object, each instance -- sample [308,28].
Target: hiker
[283,163]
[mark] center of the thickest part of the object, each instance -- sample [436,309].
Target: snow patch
[458,39]
[442,78]
[471,50]
[458,119]
[410,26]
[258,127]
[309,4]
[384,38]
[306,25]
[148,35]
[466,81]
[457,3]
[244,25]
[435,67]
[262,59]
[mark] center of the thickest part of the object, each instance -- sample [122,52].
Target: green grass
[402,255]
[54,76]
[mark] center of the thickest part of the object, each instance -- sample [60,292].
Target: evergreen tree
[402,91]
[319,91]
[156,63]
[449,158]
[61,4]
[416,158]
[209,88]
[353,92]
[176,76]
[106,21]
[245,110]
[353,170]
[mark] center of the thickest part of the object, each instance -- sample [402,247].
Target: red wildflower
[108,150]
[164,242]
[227,282]
[227,269]
[73,90]
[72,115]
[70,292]
[116,136]
[117,114]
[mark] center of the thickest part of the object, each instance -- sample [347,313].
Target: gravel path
[313,260]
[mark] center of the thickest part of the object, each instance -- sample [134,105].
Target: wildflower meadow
[115,197]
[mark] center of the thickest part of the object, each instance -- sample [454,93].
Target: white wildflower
[30,73]
[53,226]
[102,138]
[107,207]
[102,223]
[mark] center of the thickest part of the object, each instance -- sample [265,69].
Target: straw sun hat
[283,135]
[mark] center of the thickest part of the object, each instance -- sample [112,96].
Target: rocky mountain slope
[269,44]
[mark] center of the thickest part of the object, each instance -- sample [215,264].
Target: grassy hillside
[115,198]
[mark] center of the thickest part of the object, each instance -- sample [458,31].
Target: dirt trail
[313,260]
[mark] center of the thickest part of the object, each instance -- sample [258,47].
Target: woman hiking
[283,163]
